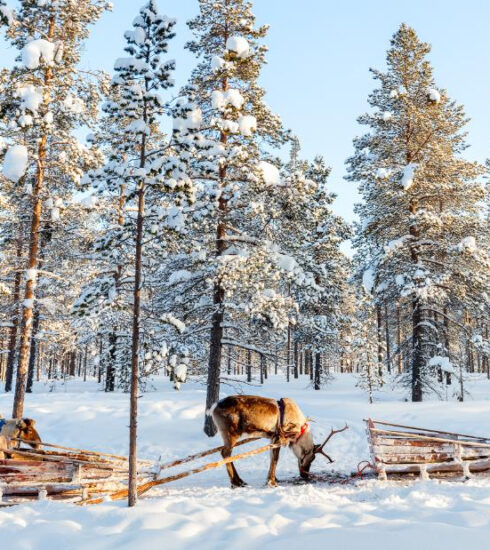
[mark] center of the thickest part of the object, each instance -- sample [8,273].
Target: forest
[148,231]
[169,256]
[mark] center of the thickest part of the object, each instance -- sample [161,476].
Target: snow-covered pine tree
[147,168]
[310,236]
[45,107]
[420,220]
[364,345]
[232,263]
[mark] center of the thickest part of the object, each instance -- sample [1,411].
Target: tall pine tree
[420,220]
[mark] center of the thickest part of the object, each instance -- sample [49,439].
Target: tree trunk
[34,351]
[447,343]
[133,415]
[379,320]
[135,339]
[228,369]
[12,346]
[249,366]
[387,340]
[110,373]
[32,264]
[418,351]
[85,363]
[399,338]
[216,336]
[296,366]
[317,379]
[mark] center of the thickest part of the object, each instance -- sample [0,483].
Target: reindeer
[17,428]
[279,421]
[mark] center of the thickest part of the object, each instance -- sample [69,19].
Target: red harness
[304,428]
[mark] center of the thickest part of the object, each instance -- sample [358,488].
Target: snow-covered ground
[202,512]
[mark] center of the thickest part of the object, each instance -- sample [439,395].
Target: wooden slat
[477,466]
[26,471]
[62,458]
[427,438]
[466,452]
[419,430]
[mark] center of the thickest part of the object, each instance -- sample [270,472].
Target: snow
[73,104]
[31,98]
[434,95]
[238,45]
[408,174]
[179,276]
[31,275]
[383,173]
[400,280]
[15,163]
[395,244]
[221,100]
[192,120]
[229,126]
[270,173]
[130,63]
[387,116]
[368,279]
[171,320]
[288,263]
[247,125]
[175,219]
[202,513]
[467,244]
[443,362]
[38,51]
[180,373]
[217,63]
[55,214]
[138,35]
[7,13]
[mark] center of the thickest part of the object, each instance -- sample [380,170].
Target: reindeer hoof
[236,484]
[272,483]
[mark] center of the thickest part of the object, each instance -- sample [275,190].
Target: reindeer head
[28,433]
[306,450]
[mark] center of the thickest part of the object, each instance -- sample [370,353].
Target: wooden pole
[122,494]
[190,458]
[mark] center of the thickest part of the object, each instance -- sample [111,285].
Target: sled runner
[400,451]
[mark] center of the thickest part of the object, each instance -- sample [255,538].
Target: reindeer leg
[235,479]
[271,478]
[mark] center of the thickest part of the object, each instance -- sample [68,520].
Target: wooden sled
[400,452]
[63,473]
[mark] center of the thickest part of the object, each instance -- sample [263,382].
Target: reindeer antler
[319,448]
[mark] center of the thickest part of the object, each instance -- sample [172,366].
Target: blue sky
[317,76]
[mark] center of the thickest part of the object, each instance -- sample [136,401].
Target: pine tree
[310,236]
[231,222]
[49,38]
[145,166]
[420,219]
[364,346]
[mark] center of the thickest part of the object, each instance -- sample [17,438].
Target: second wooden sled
[400,452]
